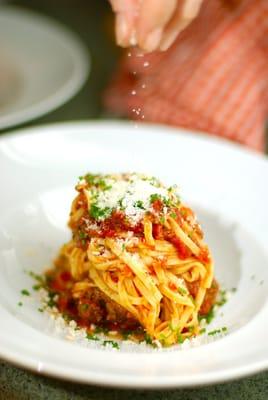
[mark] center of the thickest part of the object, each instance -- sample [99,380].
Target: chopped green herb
[98,329]
[148,339]
[208,317]
[181,290]
[233,290]
[20,303]
[120,203]
[154,197]
[40,309]
[139,204]
[123,246]
[91,336]
[25,292]
[82,234]
[162,339]
[223,298]
[35,276]
[167,201]
[173,215]
[203,330]
[97,180]
[37,287]
[214,332]
[66,317]
[162,220]
[126,334]
[80,178]
[115,345]
[91,178]
[180,338]
[103,185]
[99,213]
[51,303]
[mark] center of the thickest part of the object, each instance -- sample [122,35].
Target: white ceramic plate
[42,65]
[224,183]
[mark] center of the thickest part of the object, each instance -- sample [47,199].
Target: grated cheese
[131,194]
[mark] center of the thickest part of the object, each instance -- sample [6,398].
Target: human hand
[152,24]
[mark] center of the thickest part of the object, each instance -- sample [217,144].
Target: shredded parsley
[139,204]
[173,215]
[216,331]
[82,235]
[37,287]
[223,298]
[148,339]
[20,303]
[120,203]
[182,291]
[98,329]
[37,277]
[97,180]
[91,336]
[25,292]
[115,345]
[99,213]
[208,317]
[162,220]
[155,197]
[180,339]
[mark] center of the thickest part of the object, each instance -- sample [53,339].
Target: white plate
[224,183]
[42,65]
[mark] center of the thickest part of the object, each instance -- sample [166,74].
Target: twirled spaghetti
[137,260]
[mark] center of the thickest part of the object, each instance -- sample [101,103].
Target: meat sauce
[94,307]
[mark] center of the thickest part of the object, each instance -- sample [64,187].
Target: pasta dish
[136,262]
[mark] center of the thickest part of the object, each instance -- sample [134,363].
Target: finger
[122,6]
[185,13]
[153,16]
[126,14]
[125,30]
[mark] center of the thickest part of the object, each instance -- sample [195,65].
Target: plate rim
[74,45]
[170,130]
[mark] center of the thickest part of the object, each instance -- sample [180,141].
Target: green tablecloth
[92,21]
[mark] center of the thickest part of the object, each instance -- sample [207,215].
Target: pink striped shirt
[213,79]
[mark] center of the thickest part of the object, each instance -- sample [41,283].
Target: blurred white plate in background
[225,185]
[42,65]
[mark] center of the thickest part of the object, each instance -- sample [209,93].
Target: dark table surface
[92,21]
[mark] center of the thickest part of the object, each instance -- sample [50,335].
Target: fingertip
[152,40]
[125,32]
